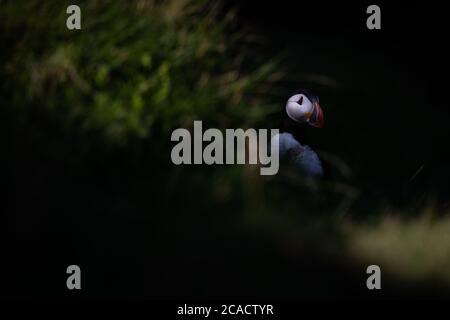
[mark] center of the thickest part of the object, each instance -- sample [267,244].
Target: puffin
[302,109]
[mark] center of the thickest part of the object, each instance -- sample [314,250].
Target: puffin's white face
[299,108]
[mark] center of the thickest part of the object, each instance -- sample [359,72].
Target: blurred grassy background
[86,120]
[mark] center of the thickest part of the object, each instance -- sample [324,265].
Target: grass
[156,65]
[415,250]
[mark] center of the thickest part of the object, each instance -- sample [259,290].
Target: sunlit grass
[415,249]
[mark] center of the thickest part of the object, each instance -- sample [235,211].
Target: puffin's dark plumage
[301,108]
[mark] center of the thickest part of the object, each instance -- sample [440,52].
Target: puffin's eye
[300,101]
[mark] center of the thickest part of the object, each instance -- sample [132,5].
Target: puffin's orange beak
[316,119]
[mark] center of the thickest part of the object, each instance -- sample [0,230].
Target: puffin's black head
[303,106]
